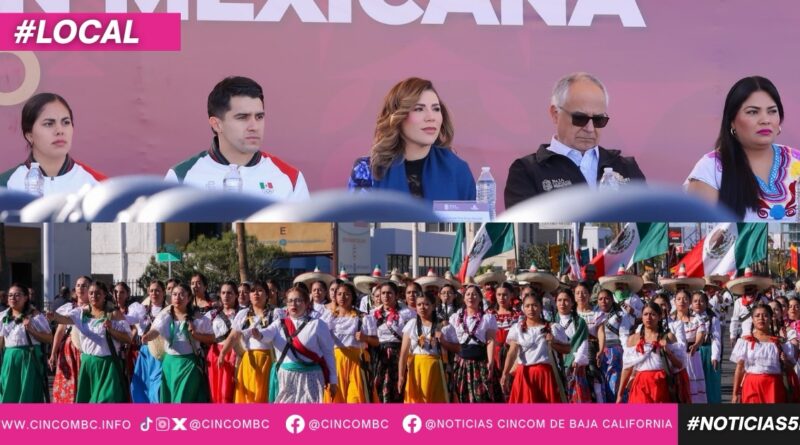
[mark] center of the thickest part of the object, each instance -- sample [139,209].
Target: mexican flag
[636,242]
[728,247]
[492,239]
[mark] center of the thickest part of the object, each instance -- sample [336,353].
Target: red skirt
[221,379]
[763,388]
[534,384]
[649,387]
[68,363]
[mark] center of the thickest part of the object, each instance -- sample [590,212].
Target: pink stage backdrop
[141,112]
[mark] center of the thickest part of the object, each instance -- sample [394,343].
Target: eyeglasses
[582,119]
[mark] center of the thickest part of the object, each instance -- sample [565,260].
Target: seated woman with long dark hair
[747,171]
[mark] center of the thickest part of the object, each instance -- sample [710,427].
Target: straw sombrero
[343,275]
[309,278]
[634,282]
[451,279]
[737,285]
[489,277]
[716,281]
[397,278]
[548,281]
[691,284]
[648,283]
[431,279]
[365,283]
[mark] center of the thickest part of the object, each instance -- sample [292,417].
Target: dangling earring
[733,132]
[780,130]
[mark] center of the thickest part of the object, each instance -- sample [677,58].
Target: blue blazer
[445,177]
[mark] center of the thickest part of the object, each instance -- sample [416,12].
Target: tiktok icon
[145,426]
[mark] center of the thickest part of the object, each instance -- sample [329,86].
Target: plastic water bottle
[233,180]
[34,180]
[609,180]
[486,190]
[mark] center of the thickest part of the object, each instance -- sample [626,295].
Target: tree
[217,259]
[537,254]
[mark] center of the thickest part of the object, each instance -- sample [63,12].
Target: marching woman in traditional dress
[306,367]
[473,372]
[244,295]
[252,377]
[594,323]
[102,328]
[710,351]
[389,327]
[682,382]
[575,361]
[222,368]
[763,361]
[22,332]
[66,353]
[448,303]
[426,340]
[532,343]
[611,336]
[410,292]
[654,355]
[146,379]
[695,331]
[200,300]
[183,328]
[132,312]
[350,331]
[506,315]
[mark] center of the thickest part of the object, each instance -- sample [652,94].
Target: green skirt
[182,380]
[99,381]
[21,375]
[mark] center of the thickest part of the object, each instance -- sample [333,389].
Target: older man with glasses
[573,156]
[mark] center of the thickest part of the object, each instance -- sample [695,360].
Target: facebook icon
[412,424]
[295,424]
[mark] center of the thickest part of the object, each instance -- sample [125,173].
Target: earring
[780,130]
[733,131]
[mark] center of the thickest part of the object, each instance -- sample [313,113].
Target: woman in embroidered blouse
[102,326]
[613,332]
[389,327]
[146,379]
[675,326]
[761,360]
[651,352]
[65,357]
[426,341]
[577,359]
[350,331]
[594,323]
[529,362]
[222,367]
[506,315]
[695,331]
[711,349]
[22,331]
[411,149]
[476,380]
[306,367]
[747,171]
[130,310]
[184,329]
[252,376]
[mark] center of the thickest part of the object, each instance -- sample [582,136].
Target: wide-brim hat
[365,283]
[397,278]
[309,278]
[648,283]
[452,279]
[431,279]
[691,284]
[737,285]
[489,277]
[548,281]
[713,280]
[634,282]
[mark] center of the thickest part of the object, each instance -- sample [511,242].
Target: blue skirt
[611,368]
[146,379]
[713,376]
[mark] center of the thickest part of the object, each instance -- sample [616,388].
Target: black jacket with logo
[545,170]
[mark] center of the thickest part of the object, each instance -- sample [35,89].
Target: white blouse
[761,357]
[649,361]
[462,330]
[582,354]
[344,329]
[410,330]
[386,330]
[256,321]
[714,329]
[593,319]
[93,333]
[316,337]
[179,344]
[532,343]
[218,325]
[14,333]
[622,322]
[137,315]
[693,327]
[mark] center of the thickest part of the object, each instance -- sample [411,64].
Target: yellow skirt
[252,377]
[425,381]
[352,387]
